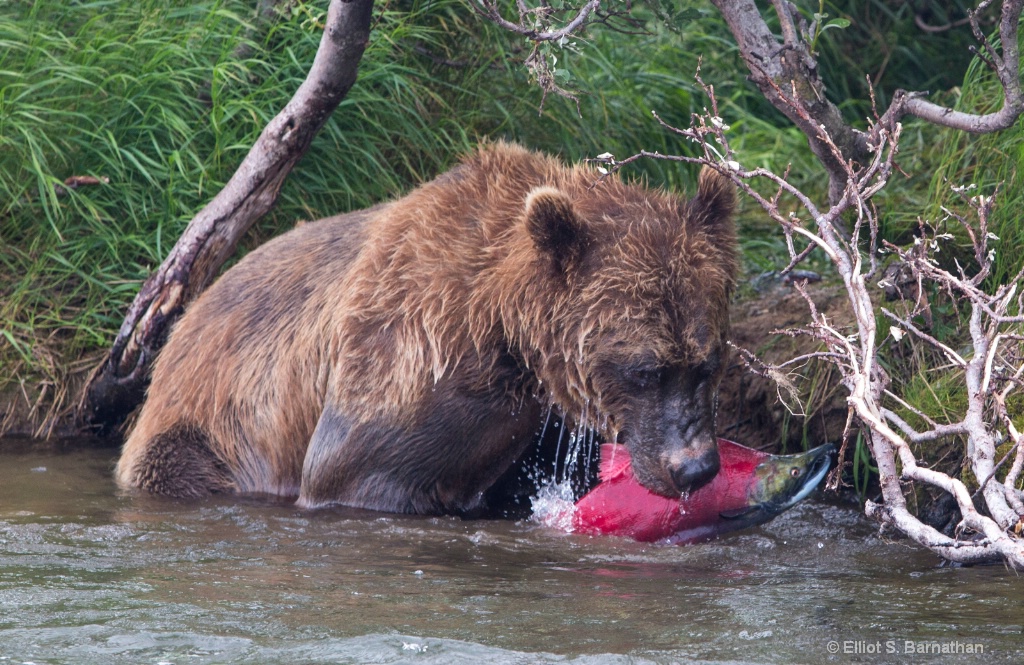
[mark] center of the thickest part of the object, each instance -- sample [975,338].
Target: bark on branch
[787,75]
[546,23]
[119,383]
[532,22]
[1006,63]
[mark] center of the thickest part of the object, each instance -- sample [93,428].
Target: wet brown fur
[416,344]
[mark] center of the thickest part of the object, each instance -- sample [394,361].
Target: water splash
[572,456]
[553,505]
[579,463]
[560,484]
[547,421]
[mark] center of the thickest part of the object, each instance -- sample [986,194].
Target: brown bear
[400,358]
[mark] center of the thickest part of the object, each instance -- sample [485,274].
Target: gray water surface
[91,575]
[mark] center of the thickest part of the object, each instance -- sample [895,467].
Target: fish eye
[795,472]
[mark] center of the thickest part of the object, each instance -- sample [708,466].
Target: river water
[91,575]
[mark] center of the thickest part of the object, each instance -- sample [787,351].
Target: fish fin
[736,514]
[615,461]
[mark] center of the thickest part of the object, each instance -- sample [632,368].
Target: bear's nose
[694,473]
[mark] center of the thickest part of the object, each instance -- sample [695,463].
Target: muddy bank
[757,411]
[42,409]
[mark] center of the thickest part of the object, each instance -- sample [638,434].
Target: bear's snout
[692,473]
[676,469]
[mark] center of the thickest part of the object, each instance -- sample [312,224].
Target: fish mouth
[783,481]
[819,462]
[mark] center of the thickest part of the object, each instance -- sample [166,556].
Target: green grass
[883,46]
[151,96]
[992,162]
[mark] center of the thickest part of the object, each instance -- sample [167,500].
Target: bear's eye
[710,365]
[643,376]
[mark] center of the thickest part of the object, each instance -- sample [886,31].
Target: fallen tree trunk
[118,384]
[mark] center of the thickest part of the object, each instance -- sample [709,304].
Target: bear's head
[623,315]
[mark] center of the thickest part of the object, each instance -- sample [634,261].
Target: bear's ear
[713,207]
[556,231]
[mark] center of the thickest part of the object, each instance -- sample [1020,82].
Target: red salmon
[751,488]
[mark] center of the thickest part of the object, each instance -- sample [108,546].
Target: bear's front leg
[354,464]
[441,463]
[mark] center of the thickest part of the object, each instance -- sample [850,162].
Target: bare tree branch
[937,432]
[532,23]
[118,384]
[787,75]
[857,355]
[1007,68]
[538,25]
[920,22]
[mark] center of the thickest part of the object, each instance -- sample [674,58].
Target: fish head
[775,484]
